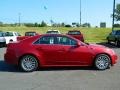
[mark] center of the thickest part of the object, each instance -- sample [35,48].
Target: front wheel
[102,62]
[28,63]
[118,43]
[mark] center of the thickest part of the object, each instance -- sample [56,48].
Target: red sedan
[76,34]
[57,50]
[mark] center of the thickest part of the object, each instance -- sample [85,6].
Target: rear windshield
[74,32]
[8,34]
[30,34]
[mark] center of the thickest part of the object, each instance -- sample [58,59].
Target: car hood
[95,46]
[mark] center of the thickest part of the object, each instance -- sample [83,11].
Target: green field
[92,35]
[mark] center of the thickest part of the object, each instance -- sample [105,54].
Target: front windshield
[30,34]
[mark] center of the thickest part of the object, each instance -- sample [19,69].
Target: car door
[51,52]
[73,54]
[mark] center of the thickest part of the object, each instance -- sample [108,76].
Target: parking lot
[60,78]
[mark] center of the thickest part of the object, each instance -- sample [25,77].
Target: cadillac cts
[54,50]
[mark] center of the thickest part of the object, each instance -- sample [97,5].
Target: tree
[117,25]
[43,24]
[29,24]
[68,25]
[117,12]
[62,24]
[86,25]
[36,24]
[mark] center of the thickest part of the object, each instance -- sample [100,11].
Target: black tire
[109,42]
[0,45]
[28,63]
[118,43]
[10,40]
[102,62]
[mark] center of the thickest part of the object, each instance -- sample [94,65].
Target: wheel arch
[103,54]
[38,60]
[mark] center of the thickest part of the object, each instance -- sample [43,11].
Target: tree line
[44,24]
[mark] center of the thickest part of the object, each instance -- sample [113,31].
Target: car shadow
[110,45]
[4,67]
[66,68]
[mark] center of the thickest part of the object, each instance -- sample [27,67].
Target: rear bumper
[11,58]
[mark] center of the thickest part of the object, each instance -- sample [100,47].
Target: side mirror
[78,44]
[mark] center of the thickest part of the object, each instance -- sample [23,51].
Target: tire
[10,40]
[102,62]
[0,45]
[28,63]
[109,42]
[118,43]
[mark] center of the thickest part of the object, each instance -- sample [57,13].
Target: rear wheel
[102,62]
[28,63]
[109,42]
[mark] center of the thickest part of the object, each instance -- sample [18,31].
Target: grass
[91,35]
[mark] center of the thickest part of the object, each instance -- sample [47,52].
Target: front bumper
[114,59]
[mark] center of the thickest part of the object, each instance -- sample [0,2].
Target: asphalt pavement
[60,78]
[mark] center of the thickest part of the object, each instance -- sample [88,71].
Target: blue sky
[93,11]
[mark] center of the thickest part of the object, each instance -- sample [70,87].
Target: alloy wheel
[102,62]
[28,63]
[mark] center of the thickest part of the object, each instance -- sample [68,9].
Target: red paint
[56,54]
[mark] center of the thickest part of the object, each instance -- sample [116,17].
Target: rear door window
[45,40]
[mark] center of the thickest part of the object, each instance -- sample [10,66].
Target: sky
[67,11]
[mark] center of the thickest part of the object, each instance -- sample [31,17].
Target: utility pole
[19,19]
[113,21]
[80,13]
